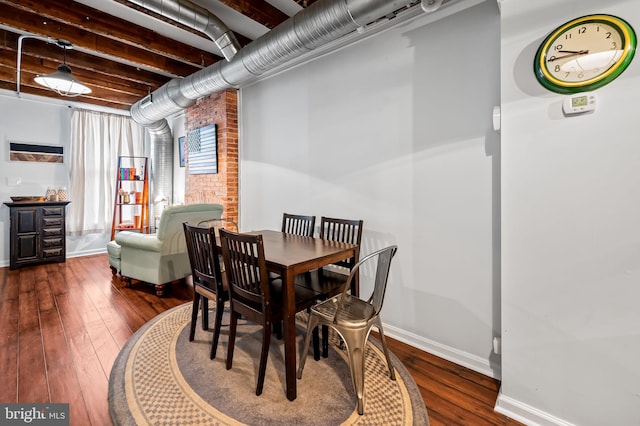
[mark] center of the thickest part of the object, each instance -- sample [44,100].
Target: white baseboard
[86,252]
[525,413]
[5,263]
[454,355]
[504,405]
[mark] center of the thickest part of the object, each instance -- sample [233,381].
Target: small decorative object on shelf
[124,196]
[51,194]
[63,195]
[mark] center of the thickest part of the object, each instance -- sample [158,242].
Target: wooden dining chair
[353,318]
[208,279]
[252,294]
[328,282]
[298,224]
[346,231]
[294,224]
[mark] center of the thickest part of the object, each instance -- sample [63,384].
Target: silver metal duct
[320,23]
[198,18]
[161,161]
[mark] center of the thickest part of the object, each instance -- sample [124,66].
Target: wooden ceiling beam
[83,39]
[92,20]
[96,97]
[120,61]
[243,40]
[77,60]
[32,67]
[258,10]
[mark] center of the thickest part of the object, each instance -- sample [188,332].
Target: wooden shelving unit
[131,201]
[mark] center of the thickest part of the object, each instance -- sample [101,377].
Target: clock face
[585,54]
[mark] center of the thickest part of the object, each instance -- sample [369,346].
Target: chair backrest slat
[342,230]
[203,256]
[298,224]
[246,269]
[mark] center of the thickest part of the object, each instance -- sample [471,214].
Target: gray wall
[531,235]
[395,130]
[570,233]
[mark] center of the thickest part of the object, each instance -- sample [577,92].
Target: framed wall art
[19,151]
[203,150]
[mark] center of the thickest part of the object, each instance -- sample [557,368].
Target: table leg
[290,334]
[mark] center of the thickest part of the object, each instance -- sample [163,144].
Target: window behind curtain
[97,139]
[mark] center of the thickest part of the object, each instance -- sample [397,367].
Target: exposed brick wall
[221,109]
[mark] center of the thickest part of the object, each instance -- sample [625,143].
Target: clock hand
[569,54]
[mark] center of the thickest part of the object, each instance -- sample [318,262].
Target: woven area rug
[160,378]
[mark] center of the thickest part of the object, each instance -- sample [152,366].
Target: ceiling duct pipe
[161,162]
[317,25]
[198,18]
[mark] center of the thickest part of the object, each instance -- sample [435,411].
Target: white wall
[570,234]
[37,120]
[32,122]
[395,130]
[177,126]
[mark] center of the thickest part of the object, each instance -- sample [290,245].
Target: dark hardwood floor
[63,325]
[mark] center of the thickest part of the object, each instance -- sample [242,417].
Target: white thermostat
[579,103]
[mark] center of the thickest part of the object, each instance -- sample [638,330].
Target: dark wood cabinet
[37,233]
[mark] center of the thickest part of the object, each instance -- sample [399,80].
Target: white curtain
[97,139]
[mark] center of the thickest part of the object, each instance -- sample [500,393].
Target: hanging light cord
[19,61]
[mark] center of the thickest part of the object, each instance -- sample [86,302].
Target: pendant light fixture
[62,81]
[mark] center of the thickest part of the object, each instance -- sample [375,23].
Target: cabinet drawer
[52,252]
[51,242]
[48,232]
[52,211]
[52,221]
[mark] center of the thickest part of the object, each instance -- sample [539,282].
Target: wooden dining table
[289,255]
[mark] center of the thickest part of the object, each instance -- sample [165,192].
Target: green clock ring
[585,54]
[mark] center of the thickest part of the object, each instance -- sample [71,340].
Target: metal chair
[298,224]
[252,294]
[353,318]
[208,279]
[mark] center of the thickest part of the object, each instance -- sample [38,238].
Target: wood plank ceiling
[119,60]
